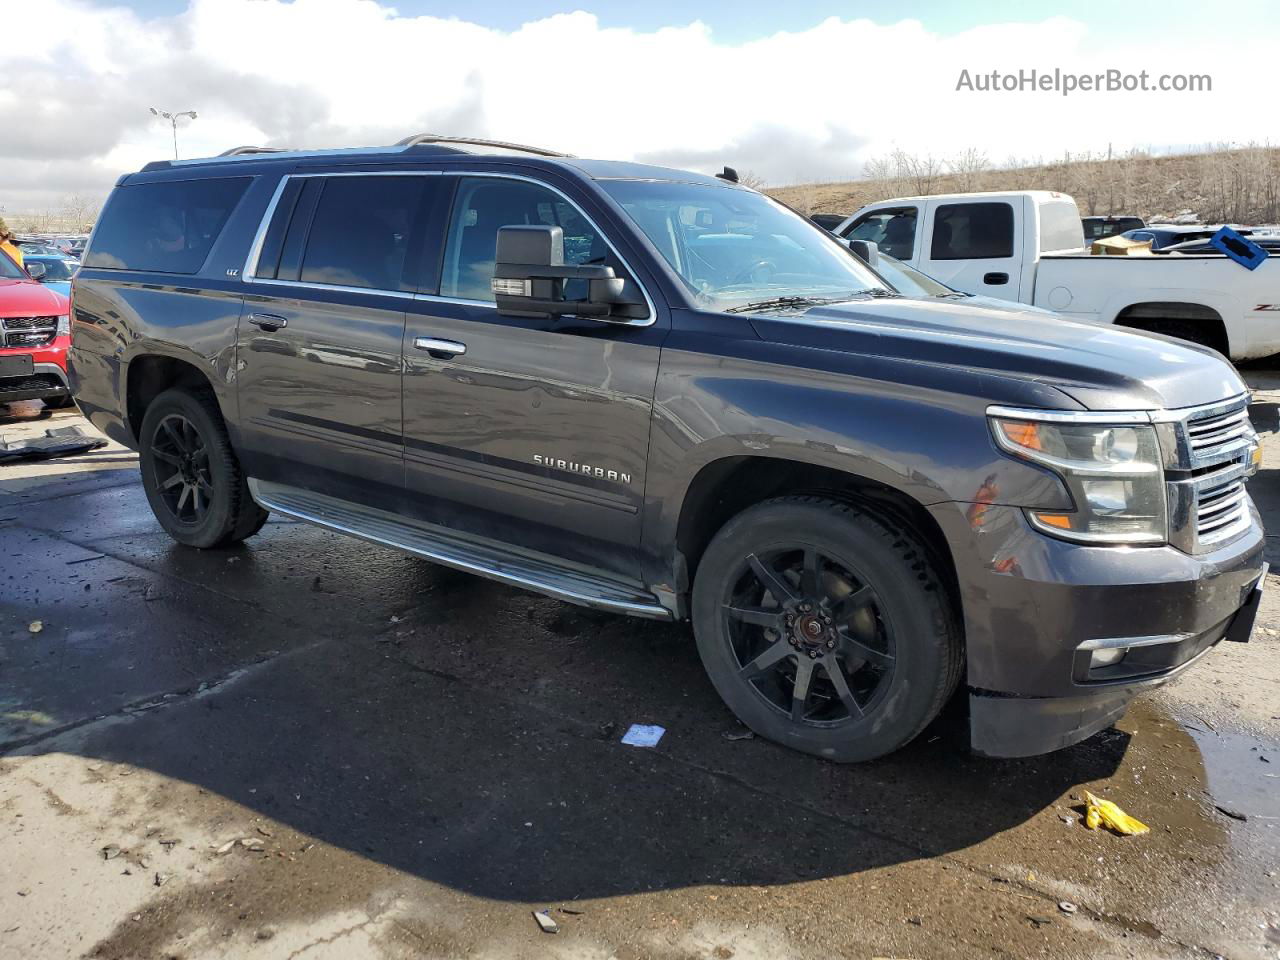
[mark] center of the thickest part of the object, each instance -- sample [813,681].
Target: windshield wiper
[781,303]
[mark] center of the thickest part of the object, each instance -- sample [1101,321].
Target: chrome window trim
[247,275]
[260,236]
[337,288]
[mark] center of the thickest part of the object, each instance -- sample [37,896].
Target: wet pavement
[312,747]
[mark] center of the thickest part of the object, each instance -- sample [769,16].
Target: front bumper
[1035,608]
[48,377]
[46,382]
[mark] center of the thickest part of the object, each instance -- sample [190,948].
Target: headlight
[1114,474]
[64,325]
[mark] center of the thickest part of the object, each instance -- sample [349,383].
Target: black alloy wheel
[180,462]
[809,635]
[826,627]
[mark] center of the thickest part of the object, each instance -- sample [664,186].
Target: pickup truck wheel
[191,476]
[824,628]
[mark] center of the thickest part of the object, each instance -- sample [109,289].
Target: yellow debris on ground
[1099,811]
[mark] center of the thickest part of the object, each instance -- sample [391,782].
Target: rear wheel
[191,476]
[824,628]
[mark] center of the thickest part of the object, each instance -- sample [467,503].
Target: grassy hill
[1234,185]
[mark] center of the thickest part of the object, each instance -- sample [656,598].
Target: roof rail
[421,138]
[241,151]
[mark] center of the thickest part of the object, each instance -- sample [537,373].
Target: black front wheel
[191,476]
[825,628]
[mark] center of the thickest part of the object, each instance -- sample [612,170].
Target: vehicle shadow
[475,743]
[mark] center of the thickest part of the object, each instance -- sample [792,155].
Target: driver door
[531,431]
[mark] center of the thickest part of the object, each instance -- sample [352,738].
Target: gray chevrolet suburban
[663,394]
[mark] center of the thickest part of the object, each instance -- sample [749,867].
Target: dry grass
[1240,185]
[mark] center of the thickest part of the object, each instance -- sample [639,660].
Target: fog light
[1107,656]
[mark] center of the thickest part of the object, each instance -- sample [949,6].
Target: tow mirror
[867,251]
[36,271]
[530,279]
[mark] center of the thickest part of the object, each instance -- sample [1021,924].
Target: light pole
[173,122]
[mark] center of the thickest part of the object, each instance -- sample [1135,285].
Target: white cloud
[807,104]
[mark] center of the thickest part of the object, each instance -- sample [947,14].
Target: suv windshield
[55,268]
[734,247]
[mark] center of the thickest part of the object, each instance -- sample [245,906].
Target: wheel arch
[724,487]
[148,375]
[1147,314]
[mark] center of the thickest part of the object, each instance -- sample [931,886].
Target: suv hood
[1101,366]
[27,298]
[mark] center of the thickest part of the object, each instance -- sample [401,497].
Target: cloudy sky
[795,91]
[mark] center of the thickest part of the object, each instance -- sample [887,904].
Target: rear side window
[164,227]
[972,231]
[360,232]
[366,232]
[1060,226]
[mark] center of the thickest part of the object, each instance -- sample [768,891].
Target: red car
[35,333]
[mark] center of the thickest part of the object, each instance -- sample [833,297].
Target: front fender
[929,443]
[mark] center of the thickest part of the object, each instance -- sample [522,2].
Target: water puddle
[1242,772]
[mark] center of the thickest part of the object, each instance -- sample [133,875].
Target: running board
[441,545]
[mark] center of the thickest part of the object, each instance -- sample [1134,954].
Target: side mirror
[530,276]
[867,251]
[36,271]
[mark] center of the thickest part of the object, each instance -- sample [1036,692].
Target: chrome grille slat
[1221,510]
[1208,456]
[1205,433]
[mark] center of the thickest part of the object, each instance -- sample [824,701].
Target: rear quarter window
[164,227]
[1060,226]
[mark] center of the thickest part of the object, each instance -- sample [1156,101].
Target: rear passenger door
[531,431]
[318,350]
[973,246]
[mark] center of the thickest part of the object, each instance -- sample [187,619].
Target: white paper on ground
[641,735]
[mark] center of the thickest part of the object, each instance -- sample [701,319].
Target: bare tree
[921,172]
[1231,183]
[967,169]
[80,211]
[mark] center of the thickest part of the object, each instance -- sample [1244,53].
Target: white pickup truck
[1028,246]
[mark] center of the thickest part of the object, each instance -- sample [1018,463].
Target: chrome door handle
[441,349]
[267,321]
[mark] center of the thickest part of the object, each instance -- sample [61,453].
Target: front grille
[1222,509]
[27,331]
[29,338]
[1207,434]
[1208,460]
[27,323]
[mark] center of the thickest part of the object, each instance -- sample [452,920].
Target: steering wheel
[747,275]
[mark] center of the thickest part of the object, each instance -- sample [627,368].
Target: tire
[191,476]
[878,643]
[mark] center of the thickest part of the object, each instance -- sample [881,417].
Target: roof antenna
[729,174]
